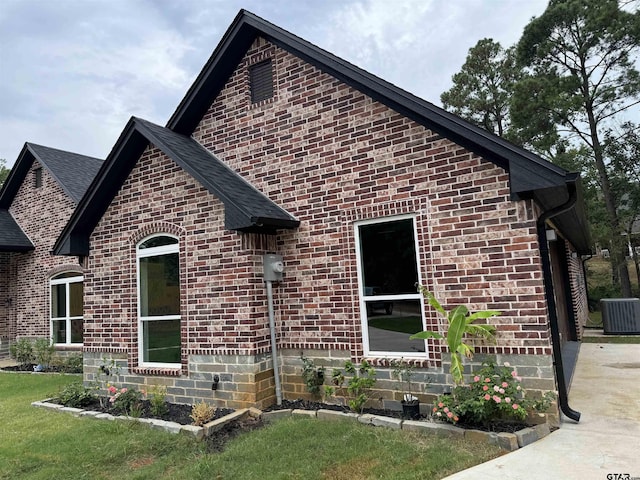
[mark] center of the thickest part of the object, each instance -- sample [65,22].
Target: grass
[41,444]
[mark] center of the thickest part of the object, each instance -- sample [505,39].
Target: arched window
[158,270]
[66,308]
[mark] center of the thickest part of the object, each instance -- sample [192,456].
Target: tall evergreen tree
[580,58]
[4,171]
[483,87]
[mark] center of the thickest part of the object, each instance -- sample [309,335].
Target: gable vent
[261,81]
[620,315]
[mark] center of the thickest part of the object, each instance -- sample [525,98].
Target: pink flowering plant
[494,394]
[126,401]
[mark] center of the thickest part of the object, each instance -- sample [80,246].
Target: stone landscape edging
[506,441]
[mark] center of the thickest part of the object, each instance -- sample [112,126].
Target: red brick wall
[41,213]
[331,156]
[222,295]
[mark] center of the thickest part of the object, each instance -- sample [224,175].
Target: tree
[483,87]
[4,171]
[623,150]
[581,76]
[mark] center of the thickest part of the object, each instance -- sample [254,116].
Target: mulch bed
[30,368]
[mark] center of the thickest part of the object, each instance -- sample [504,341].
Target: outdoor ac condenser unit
[620,315]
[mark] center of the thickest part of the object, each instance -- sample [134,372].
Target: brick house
[282,148]
[41,294]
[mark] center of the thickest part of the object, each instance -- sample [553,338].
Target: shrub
[22,351]
[76,395]
[43,351]
[313,376]
[158,400]
[127,401]
[72,363]
[201,413]
[494,394]
[359,385]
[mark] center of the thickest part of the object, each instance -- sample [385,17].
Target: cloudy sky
[72,72]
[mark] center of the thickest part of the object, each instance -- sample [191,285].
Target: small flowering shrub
[127,401]
[494,394]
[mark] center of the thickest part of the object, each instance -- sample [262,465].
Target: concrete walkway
[606,391]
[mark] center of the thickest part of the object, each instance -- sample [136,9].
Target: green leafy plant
[43,351]
[158,400]
[126,401]
[67,363]
[494,394]
[76,395]
[460,324]
[202,413]
[22,352]
[313,376]
[358,387]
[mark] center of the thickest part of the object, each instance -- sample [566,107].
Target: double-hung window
[390,305]
[66,308]
[158,270]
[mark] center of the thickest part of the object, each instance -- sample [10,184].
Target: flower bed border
[199,433]
[506,441]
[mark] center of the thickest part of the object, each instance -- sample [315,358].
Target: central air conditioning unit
[620,315]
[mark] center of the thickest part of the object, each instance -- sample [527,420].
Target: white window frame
[153,252]
[79,278]
[408,296]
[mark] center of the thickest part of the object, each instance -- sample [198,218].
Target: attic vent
[261,81]
[37,177]
[620,315]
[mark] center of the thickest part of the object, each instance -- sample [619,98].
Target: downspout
[563,397]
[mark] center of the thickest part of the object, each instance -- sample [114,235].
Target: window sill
[158,371]
[68,347]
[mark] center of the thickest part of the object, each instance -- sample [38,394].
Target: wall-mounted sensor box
[273,268]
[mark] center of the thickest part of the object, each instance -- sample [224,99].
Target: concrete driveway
[606,441]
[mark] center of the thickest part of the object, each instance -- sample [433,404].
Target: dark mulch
[175,412]
[301,404]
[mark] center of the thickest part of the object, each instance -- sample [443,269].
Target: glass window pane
[76,331]
[58,301]
[161,341]
[388,256]
[391,323]
[159,285]
[59,331]
[75,300]
[158,242]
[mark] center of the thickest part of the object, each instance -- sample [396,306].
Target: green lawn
[42,444]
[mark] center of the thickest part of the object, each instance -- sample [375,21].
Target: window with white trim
[157,260]
[391,308]
[66,308]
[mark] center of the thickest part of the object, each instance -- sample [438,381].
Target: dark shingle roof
[12,238]
[73,172]
[246,208]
